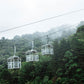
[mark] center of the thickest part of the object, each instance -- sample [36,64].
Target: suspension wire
[47,39]
[32,45]
[46,19]
[14,50]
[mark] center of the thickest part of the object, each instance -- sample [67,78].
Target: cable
[41,20]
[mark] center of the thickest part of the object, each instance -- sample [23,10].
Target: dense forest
[66,66]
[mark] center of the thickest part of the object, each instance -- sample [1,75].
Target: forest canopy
[66,66]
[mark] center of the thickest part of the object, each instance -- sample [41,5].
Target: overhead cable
[41,20]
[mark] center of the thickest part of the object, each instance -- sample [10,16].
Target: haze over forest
[42,42]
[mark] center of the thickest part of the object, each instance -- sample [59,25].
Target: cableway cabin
[32,55]
[47,49]
[14,62]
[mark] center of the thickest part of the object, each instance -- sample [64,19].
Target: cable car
[32,55]
[47,49]
[14,62]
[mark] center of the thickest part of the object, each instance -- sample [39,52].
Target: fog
[15,13]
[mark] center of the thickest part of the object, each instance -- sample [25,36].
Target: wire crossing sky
[22,16]
[42,20]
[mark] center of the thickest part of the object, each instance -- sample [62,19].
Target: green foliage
[80,29]
[45,79]
[66,66]
[3,81]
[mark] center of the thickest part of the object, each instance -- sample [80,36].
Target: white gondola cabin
[32,55]
[14,62]
[47,49]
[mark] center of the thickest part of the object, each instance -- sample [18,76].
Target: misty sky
[19,12]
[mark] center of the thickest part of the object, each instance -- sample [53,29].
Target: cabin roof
[31,51]
[13,57]
[47,45]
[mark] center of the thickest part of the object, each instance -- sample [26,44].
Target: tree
[6,76]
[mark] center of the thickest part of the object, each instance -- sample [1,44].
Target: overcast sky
[19,12]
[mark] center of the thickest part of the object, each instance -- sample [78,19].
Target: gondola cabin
[47,49]
[14,62]
[32,55]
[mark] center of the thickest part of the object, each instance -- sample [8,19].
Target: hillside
[66,66]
